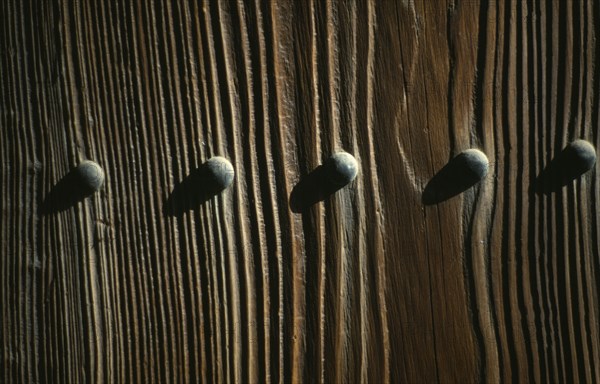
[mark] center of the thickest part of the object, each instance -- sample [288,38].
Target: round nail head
[91,175]
[584,155]
[342,168]
[221,171]
[475,162]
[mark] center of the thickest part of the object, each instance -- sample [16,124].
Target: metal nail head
[91,175]
[475,162]
[582,155]
[341,168]
[221,172]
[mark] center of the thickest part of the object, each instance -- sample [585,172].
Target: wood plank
[499,283]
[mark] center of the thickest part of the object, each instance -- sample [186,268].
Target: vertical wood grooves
[499,284]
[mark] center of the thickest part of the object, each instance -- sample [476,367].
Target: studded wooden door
[374,282]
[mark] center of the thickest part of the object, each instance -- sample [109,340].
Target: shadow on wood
[460,174]
[575,160]
[313,188]
[336,172]
[198,187]
[69,191]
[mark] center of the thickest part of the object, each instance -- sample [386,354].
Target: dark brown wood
[499,283]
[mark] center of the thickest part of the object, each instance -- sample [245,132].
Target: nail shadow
[194,190]
[313,188]
[567,166]
[69,191]
[453,179]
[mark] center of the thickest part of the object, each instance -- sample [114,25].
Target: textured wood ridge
[497,284]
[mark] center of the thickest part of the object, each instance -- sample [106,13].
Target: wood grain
[498,284]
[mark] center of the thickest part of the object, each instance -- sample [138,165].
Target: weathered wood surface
[497,284]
